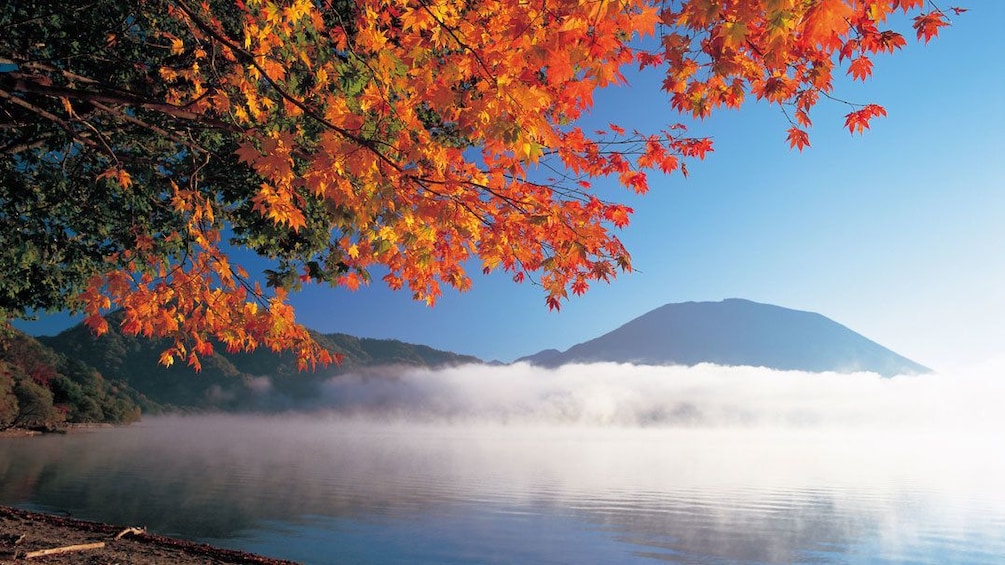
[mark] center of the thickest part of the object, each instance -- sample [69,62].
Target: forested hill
[42,389]
[262,380]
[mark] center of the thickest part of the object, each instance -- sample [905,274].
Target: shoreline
[24,532]
[66,428]
[19,432]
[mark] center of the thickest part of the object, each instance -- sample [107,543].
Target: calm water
[356,490]
[585,464]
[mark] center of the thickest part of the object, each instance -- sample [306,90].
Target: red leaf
[858,121]
[860,68]
[927,25]
[798,138]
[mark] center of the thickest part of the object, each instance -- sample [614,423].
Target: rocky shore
[61,429]
[37,538]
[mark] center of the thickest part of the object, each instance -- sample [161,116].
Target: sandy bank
[23,533]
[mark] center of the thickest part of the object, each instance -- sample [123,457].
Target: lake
[334,487]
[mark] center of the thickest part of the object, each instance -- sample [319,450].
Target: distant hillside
[41,389]
[242,381]
[735,332]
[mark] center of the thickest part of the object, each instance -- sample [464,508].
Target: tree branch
[47,115]
[36,84]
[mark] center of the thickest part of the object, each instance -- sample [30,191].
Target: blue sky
[898,234]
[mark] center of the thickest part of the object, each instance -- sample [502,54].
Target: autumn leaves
[405,137]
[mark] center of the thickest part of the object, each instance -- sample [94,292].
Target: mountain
[41,389]
[260,380]
[735,332]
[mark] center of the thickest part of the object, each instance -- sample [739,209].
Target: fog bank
[608,394]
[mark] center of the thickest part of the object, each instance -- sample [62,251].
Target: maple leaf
[858,121]
[120,175]
[908,5]
[618,215]
[860,68]
[97,323]
[193,361]
[734,34]
[927,25]
[798,138]
[350,281]
[825,21]
[247,153]
[636,180]
[166,359]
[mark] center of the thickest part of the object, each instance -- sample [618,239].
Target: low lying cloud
[608,394]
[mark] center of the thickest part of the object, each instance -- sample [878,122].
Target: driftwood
[131,532]
[64,549]
[168,550]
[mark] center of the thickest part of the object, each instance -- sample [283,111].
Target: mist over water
[608,394]
[600,463]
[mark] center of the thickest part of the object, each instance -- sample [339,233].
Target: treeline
[262,380]
[77,377]
[44,390]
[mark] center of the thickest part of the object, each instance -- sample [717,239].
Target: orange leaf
[798,138]
[860,68]
[927,25]
[858,121]
[166,359]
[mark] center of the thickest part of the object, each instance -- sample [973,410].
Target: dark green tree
[8,401]
[81,93]
[35,407]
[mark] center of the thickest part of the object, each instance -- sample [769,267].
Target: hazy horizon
[625,395]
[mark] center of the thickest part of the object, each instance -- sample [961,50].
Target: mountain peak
[736,331]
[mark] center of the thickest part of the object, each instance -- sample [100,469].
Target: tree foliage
[340,138]
[260,380]
[40,388]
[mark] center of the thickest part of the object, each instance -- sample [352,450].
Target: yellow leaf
[166,359]
[388,234]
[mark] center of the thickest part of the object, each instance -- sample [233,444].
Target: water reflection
[498,493]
